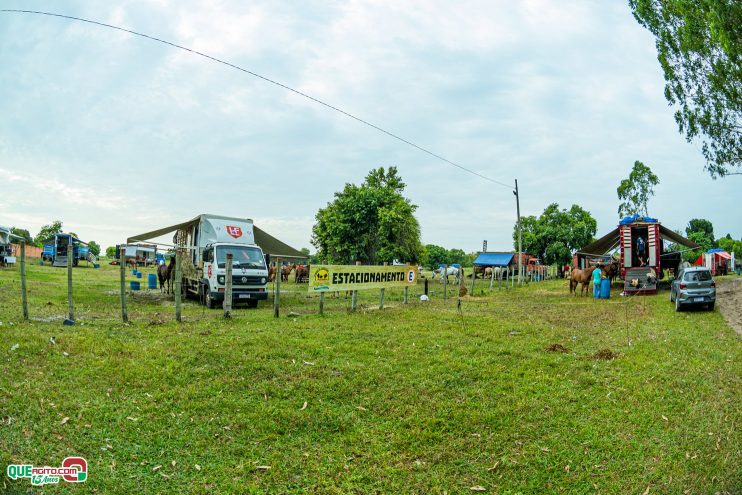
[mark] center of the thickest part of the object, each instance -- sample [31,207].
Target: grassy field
[418,398]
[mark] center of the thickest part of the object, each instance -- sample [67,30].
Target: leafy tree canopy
[371,223]
[111,252]
[556,234]
[23,234]
[635,191]
[94,248]
[436,255]
[700,225]
[47,232]
[699,47]
[731,246]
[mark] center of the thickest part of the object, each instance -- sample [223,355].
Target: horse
[286,271]
[446,272]
[478,270]
[611,271]
[581,277]
[166,273]
[271,273]
[302,274]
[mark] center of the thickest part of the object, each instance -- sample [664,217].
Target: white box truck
[206,241]
[211,240]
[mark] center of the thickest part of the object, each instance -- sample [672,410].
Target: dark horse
[611,271]
[166,273]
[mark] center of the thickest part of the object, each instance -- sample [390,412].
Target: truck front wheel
[208,300]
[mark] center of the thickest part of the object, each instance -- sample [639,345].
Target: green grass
[412,399]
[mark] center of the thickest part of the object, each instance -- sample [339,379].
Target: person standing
[597,276]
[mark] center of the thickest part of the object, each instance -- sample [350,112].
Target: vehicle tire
[671,299]
[252,304]
[208,301]
[678,307]
[711,306]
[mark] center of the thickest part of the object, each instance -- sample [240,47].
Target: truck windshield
[242,257]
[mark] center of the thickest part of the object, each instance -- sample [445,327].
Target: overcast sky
[116,135]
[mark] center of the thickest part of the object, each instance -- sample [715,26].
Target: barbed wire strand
[269,80]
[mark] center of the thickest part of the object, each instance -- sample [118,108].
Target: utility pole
[520,240]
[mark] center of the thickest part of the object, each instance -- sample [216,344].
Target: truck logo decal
[235,232]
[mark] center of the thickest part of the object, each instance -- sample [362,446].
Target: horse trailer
[642,254]
[57,251]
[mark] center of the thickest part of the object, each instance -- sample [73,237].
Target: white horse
[447,272]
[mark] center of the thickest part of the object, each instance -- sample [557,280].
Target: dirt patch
[729,300]
[556,348]
[605,354]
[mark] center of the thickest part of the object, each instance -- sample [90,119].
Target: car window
[699,276]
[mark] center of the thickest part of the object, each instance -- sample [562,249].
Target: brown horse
[583,277]
[302,274]
[166,273]
[286,271]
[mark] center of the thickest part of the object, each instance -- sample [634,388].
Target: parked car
[693,285]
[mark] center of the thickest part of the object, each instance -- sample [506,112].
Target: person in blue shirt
[641,250]
[597,276]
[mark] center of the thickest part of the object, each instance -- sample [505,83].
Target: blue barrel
[152,281]
[134,285]
[96,265]
[134,272]
[139,274]
[605,289]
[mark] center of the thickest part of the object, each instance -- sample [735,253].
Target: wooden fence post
[445,283]
[406,293]
[473,278]
[24,297]
[354,295]
[277,288]
[322,303]
[122,277]
[178,282]
[461,279]
[381,295]
[70,306]
[227,305]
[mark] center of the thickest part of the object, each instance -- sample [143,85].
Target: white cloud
[562,95]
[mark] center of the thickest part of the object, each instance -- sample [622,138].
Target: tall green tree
[23,234]
[371,223]
[635,191]
[111,252]
[699,47]
[731,246]
[700,225]
[47,232]
[94,248]
[434,255]
[556,234]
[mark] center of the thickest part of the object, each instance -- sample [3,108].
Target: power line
[267,79]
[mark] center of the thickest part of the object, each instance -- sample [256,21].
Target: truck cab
[249,273]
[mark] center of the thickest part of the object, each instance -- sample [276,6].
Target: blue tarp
[716,250]
[494,259]
[637,218]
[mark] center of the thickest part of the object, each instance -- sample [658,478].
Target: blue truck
[56,252]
